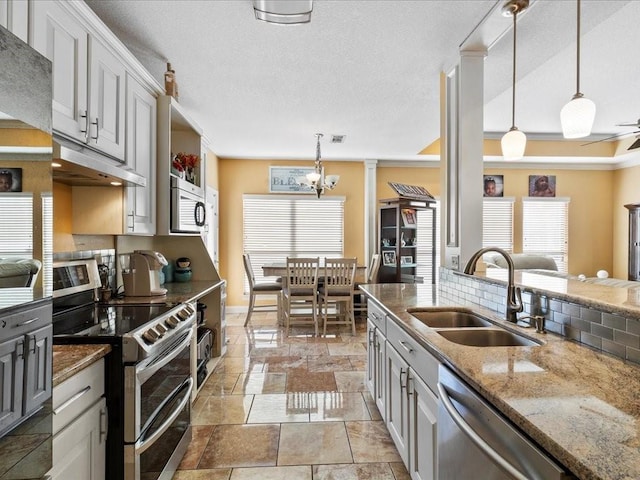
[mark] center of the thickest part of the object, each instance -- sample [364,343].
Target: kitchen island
[580,405]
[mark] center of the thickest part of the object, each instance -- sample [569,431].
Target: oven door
[157,403]
[188,211]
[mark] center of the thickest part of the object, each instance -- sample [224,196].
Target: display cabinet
[634,241]
[398,240]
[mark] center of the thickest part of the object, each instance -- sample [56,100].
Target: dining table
[279,269]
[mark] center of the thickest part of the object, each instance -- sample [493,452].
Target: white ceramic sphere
[602,274]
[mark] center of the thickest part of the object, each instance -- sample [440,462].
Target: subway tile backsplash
[605,331]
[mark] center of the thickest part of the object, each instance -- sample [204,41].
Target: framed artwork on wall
[493,186]
[285,179]
[542,185]
[10,179]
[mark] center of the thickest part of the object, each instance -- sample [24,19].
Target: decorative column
[370,209]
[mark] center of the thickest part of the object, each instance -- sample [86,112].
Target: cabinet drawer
[73,396]
[27,320]
[424,364]
[377,316]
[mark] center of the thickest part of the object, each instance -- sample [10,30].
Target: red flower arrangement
[184,161]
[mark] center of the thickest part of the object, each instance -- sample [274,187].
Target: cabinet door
[11,378]
[423,414]
[79,450]
[14,16]
[371,359]
[38,357]
[397,405]
[57,36]
[380,382]
[106,105]
[140,202]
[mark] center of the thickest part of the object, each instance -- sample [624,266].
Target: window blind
[426,246]
[497,222]
[545,228]
[275,227]
[47,240]
[16,218]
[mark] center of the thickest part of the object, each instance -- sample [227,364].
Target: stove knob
[171,322]
[184,314]
[161,329]
[150,336]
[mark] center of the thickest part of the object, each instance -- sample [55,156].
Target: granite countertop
[71,359]
[580,405]
[176,293]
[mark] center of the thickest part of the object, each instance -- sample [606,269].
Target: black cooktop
[100,320]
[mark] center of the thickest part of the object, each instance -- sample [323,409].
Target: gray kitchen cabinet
[634,241]
[88,79]
[38,358]
[14,16]
[376,378]
[140,202]
[80,426]
[11,378]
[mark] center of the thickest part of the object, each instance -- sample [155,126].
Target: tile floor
[293,408]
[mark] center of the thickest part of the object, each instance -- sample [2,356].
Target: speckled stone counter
[71,359]
[580,405]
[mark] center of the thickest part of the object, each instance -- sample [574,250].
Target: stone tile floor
[293,407]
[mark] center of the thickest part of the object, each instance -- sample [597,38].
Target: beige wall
[626,190]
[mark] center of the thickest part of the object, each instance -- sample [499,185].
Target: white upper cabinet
[88,80]
[14,16]
[140,202]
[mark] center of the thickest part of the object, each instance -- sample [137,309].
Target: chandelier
[316,180]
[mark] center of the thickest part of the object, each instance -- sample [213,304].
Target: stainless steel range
[148,377]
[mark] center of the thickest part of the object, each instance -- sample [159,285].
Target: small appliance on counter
[141,273]
[182,272]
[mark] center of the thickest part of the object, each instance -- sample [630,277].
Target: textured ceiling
[370,70]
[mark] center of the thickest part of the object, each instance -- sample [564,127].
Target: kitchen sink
[449,318]
[487,338]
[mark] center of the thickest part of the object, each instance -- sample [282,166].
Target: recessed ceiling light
[116,184]
[56,164]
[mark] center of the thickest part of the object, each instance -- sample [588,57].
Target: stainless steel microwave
[188,212]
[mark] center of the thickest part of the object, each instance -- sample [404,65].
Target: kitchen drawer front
[424,364]
[377,316]
[26,321]
[73,396]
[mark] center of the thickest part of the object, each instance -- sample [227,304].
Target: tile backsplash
[606,331]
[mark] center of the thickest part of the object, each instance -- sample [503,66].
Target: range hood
[82,166]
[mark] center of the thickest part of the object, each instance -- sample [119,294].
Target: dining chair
[300,292]
[337,291]
[261,288]
[360,301]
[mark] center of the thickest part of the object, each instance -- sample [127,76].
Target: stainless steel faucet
[514,295]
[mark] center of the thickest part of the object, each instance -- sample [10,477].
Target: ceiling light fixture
[514,141]
[316,180]
[578,115]
[283,12]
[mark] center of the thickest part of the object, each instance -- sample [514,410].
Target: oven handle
[144,443]
[147,370]
[474,437]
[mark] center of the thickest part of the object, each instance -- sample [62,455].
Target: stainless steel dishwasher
[475,441]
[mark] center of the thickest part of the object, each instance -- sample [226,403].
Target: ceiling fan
[633,146]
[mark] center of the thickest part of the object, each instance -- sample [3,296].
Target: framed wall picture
[542,185]
[409,217]
[389,257]
[493,186]
[286,179]
[406,260]
[10,179]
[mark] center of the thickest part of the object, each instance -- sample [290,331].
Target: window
[16,218]
[545,228]
[47,241]
[297,226]
[426,246]
[497,222]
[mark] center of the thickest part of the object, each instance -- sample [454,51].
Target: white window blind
[16,218]
[47,241]
[276,227]
[497,222]
[426,246]
[545,228]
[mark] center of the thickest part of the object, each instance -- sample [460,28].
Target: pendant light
[316,180]
[514,141]
[578,115]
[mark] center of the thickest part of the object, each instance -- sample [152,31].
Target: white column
[370,210]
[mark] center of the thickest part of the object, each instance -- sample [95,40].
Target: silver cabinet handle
[75,397]
[26,322]
[474,437]
[407,348]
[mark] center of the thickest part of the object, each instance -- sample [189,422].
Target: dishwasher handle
[474,437]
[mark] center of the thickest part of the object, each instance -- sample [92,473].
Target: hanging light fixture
[514,141]
[578,115]
[316,180]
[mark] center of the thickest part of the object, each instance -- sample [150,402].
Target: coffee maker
[141,273]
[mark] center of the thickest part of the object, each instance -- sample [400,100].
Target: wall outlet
[455,262]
